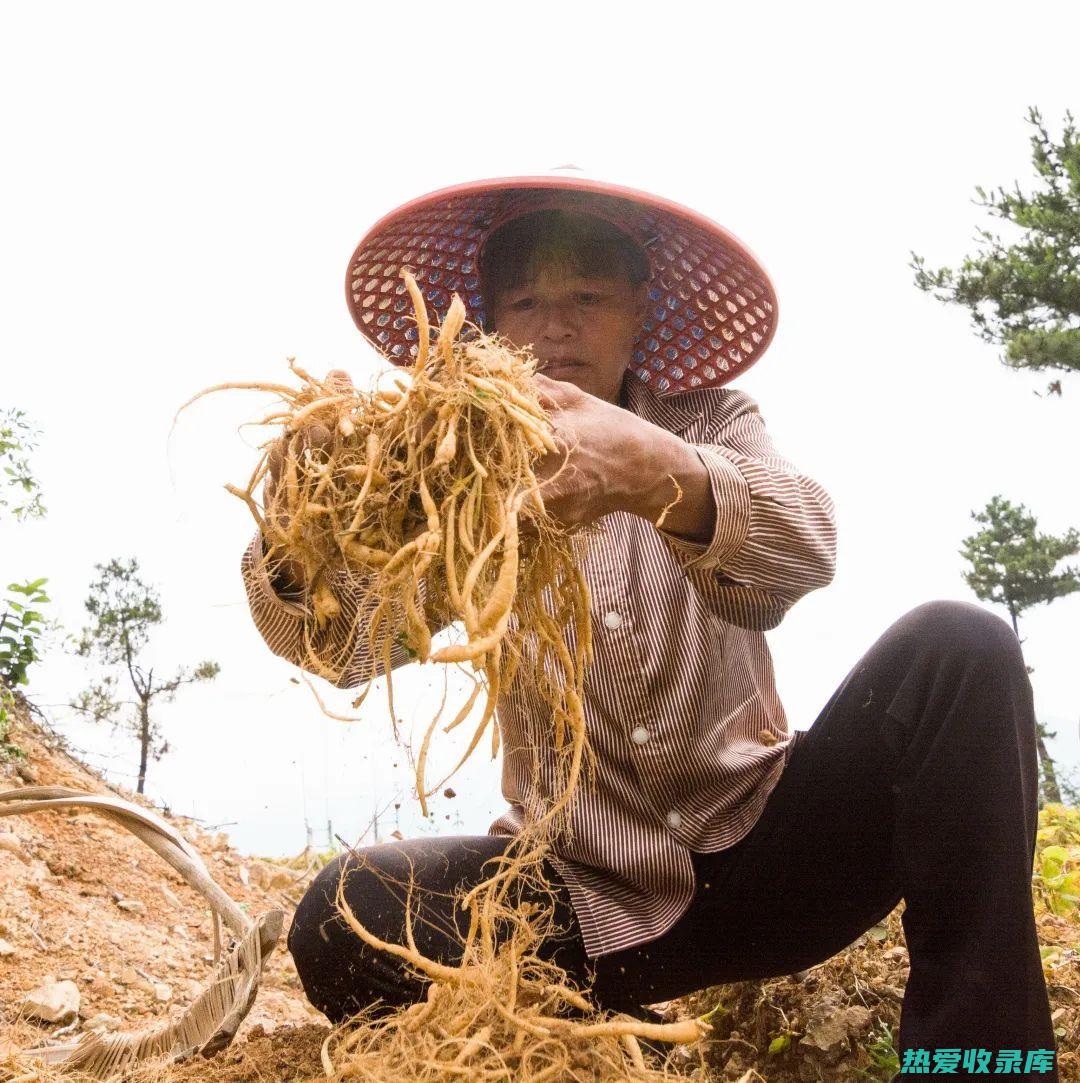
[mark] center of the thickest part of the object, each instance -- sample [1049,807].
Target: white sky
[184,186]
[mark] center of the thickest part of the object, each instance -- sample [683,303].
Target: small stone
[144,986]
[6,948]
[162,991]
[53,1001]
[25,772]
[13,845]
[128,976]
[170,897]
[245,877]
[101,1021]
[131,906]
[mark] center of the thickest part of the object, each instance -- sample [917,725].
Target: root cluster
[422,501]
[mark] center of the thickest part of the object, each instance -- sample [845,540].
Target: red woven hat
[712,310]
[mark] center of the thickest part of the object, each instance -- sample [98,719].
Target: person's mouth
[557,369]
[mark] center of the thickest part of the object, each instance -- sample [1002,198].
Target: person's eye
[588,297]
[523,304]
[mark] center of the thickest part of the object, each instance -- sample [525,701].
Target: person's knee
[324,949]
[965,629]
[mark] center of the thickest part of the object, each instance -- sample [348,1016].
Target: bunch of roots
[422,501]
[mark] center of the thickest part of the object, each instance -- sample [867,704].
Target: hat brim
[712,308]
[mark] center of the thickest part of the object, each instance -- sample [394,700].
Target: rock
[25,772]
[101,1021]
[144,986]
[831,1028]
[162,991]
[131,906]
[170,897]
[128,976]
[53,1001]
[245,876]
[13,845]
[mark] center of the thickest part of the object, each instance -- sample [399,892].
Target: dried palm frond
[211,1022]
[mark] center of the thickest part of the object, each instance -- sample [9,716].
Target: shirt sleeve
[775,534]
[290,630]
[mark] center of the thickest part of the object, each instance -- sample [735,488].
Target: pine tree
[1014,566]
[124,610]
[1026,295]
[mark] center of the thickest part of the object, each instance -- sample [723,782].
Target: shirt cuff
[262,586]
[731,495]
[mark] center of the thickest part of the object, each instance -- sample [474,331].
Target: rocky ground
[97,932]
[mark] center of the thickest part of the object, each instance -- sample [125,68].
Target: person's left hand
[600,443]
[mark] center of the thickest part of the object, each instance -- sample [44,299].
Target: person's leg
[917,780]
[341,975]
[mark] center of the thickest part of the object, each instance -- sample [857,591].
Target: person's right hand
[287,574]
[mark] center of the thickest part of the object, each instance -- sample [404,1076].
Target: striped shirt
[680,704]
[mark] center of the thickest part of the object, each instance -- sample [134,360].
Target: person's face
[582,327]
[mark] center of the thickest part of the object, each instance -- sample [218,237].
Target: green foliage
[124,610]
[1056,881]
[1026,295]
[22,625]
[1012,565]
[780,1044]
[8,749]
[17,441]
[884,1060]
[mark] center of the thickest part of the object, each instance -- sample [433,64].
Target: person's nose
[558,325]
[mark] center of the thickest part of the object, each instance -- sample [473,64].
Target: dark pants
[917,781]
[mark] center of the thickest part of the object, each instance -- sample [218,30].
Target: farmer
[714,844]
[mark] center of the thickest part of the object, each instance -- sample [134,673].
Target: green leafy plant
[884,1061]
[8,749]
[22,625]
[1056,881]
[17,440]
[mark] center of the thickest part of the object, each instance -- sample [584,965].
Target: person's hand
[288,574]
[600,444]
[613,460]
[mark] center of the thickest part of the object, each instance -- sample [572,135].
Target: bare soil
[64,872]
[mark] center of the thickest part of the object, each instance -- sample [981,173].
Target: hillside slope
[86,902]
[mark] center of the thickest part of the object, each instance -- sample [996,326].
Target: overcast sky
[185,186]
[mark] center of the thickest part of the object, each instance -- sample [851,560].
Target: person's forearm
[659,457]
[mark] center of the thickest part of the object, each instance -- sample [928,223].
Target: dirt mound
[85,902]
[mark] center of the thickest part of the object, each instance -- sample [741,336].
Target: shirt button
[639,735]
[612,619]
[674,820]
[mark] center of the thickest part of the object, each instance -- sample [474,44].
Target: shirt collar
[672,412]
